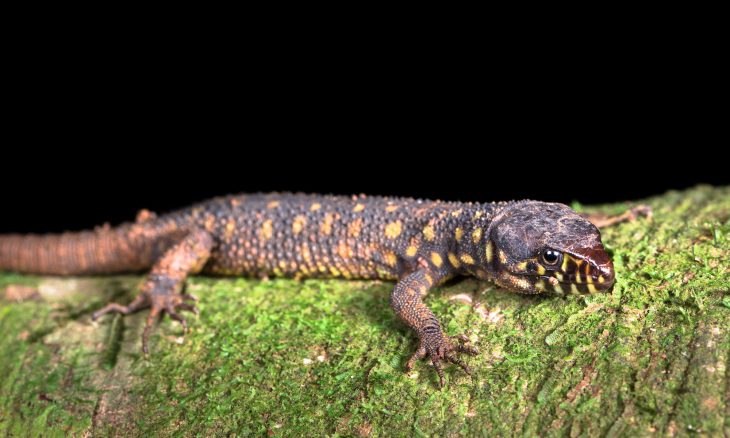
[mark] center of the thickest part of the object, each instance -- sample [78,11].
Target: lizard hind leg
[632,214]
[161,291]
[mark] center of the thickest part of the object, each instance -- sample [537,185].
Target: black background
[84,146]
[68,191]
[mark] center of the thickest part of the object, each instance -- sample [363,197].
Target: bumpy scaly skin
[418,243]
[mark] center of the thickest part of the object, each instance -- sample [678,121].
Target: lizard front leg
[161,290]
[603,221]
[432,342]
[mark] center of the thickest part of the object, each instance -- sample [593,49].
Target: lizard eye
[550,257]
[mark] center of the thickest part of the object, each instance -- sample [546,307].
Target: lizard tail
[103,251]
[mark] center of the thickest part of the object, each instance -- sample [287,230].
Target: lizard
[529,247]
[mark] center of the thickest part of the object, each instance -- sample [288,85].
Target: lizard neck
[475,252]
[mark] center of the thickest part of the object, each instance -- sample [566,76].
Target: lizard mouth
[569,285]
[581,271]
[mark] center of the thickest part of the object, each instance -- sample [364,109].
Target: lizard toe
[141,302]
[440,349]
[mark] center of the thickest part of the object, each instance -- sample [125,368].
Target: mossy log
[309,358]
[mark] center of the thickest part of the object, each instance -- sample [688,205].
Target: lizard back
[320,236]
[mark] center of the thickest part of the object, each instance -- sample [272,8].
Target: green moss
[290,358]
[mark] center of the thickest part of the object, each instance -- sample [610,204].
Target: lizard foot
[159,303]
[439,348]
[632,214]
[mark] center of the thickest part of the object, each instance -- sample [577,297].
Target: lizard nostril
[607,272]
[604,275]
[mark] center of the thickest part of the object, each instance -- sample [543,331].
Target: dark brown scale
[418,243]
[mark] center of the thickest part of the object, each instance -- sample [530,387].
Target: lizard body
[525,246]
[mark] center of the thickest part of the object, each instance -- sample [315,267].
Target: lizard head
[540,246]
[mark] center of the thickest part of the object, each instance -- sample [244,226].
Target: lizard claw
[190,297]
[139,303]
[189,307]
[159,304]
[440,348]
[168,303]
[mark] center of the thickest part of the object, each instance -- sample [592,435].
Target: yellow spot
[459,233]
[298,224]
[210,223]
[391,208]
[272,204]
[577,278]
[326,227]
[344,251]
[428,278]
[145,215]
[502,257]
[466,258]
[522,266]
[540,285]
[389,258]
[306,254]
[564,266]
[476,235]
[334,271]
[574,289]
[354,227]
[393,229]
[359,207]
[600,279]
[428,232]
[453,260]
[282,264]
[591,288]
[316,206]
[490,252]
[456,213]
[422,290]
[267,230]
[477,215]
[411,250]
[230,227]
[558,288]
[559,276]
[540,270]
[436,259]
